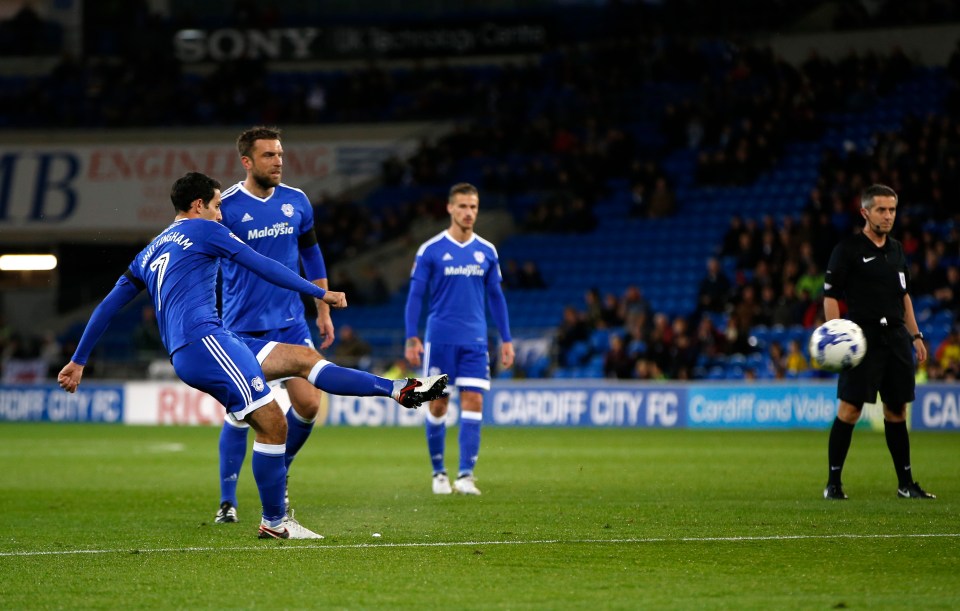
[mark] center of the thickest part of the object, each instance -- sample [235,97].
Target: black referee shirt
[872,281]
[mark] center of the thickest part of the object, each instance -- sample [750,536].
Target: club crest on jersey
[287,210]
[257,384]
[903,280]
[478,256]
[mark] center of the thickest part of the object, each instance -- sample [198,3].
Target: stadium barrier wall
[592,403]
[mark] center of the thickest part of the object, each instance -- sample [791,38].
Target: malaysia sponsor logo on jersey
[274,231]
[287,210]
[478,256]
[463,270]
[257,384]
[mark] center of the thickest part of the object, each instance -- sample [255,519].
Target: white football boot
[465,484]
[441,484]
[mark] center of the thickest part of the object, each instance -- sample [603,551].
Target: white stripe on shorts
[265,352]
[228,366]
[473,383]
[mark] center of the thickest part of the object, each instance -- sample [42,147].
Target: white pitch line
[271,548]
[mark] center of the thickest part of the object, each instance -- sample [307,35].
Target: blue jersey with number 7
[179,269]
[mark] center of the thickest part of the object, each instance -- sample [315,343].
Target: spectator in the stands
[530,277]
[947,352]
[795,360]
[573,328]
[511,274]
[731,238]
[617,362]
[948,293]
[610,311]
[662,202]
[714,292]
[788,309]
[146,336]
[811,282]
[633,304]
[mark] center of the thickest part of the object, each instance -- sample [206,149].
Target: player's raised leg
[286,360]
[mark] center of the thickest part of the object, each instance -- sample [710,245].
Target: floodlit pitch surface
[99,516]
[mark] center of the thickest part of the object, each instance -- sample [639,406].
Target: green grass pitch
[100,516]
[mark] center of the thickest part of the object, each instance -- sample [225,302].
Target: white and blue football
[837,345]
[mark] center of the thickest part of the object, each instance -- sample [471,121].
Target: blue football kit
[461,278]
[179,270]
[280,227]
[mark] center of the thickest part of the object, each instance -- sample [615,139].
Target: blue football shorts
[222,366]
[262,342]
[468,365]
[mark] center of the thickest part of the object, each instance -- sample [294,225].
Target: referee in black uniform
[869,271]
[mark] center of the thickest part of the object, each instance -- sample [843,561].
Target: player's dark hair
[191,187]
[462,188]
[866,198]
[246,139]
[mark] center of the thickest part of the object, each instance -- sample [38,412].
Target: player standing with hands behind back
[869,270]
[460,269]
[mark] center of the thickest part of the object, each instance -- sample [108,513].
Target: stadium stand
[620,160]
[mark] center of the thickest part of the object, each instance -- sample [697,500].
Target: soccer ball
[837,345]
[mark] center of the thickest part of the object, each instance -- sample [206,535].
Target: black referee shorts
[887,367]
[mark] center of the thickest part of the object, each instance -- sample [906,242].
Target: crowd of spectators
[30,357]
[558,130]
[769,272]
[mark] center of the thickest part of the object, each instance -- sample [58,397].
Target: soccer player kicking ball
[179,269]
[460,269]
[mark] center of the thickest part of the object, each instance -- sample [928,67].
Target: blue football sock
[233,449]
[338,380]
[270,472]
[436,440]
[298,430]
[469,441]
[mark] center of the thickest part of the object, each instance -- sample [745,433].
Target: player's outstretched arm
[122,293]
[277,273]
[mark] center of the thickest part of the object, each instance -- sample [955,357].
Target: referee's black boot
[834,492]
[914,491]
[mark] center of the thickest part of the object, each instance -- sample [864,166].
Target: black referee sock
[898,442]
[840,436]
